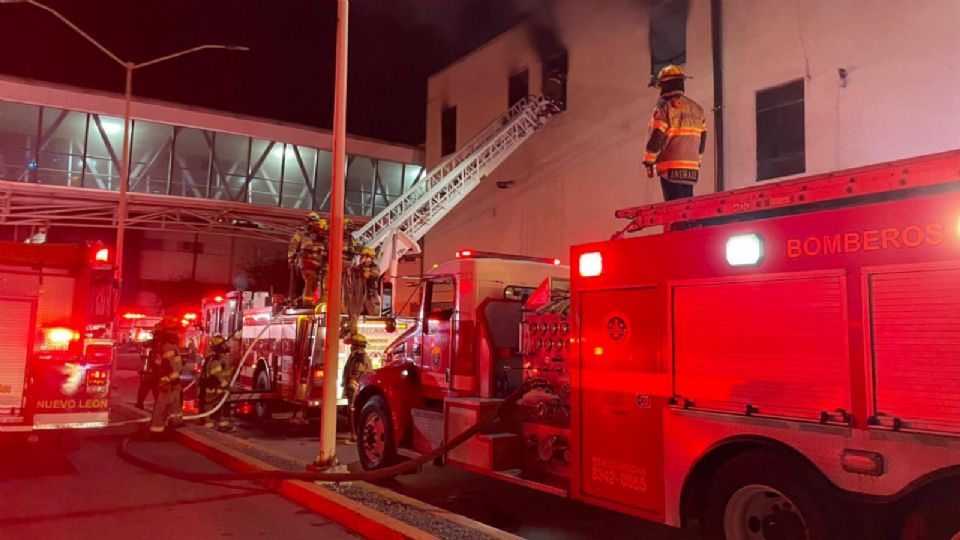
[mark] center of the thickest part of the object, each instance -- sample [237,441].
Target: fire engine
[56,312]
[283,376]
[773,354]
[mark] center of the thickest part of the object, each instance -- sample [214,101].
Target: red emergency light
[591,264]
[464,253]
[102,255]
[132,316]
[189,316]
[58,339]
[218,298]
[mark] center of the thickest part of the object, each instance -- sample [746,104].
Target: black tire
[375,435]
[262,409]
[936,517]
[763,494]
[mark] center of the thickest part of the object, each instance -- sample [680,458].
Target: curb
[347,512]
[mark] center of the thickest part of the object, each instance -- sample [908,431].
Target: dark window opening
[668,34]
[448,131]
[555,80]
[519,86]
[780,131]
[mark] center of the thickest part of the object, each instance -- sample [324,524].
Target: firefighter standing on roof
[168,406]
[677,138]
[308,249]
[357,364]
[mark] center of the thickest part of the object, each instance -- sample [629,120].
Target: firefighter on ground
[357,364]
[148,369]
[677,136]
[213,382]
[308,251]
[168,408]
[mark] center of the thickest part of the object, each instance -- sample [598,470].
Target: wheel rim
[758,512]
[262,386]
[374,438]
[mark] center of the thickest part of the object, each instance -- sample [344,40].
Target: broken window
[448,131]
[668,34]
[519,86]
[780,131]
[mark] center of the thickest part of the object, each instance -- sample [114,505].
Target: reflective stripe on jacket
[676,139]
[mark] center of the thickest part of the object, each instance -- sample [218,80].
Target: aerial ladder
[396,230]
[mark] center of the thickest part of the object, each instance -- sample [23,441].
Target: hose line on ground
[124,452]
[223,398]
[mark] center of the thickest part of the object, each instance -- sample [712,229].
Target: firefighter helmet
[322,224]
[358,340]
[348,225]
[368,252]
[668,73]
[168,323]
[313,217]
[217,343]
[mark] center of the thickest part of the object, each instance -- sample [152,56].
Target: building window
[780,131]
[519,86]
[668,34]
[448,131]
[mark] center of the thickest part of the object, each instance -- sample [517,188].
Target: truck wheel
[933,519]
[375,435]
[763,495]
[262,408]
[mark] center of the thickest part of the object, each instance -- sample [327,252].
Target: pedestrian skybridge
[191,170]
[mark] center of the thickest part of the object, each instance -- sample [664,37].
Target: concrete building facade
[820,85]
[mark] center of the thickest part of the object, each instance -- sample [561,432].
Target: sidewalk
[370,510]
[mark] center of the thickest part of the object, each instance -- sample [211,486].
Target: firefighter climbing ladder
[416,211]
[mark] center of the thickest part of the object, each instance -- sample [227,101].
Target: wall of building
[901,57]
[574,173]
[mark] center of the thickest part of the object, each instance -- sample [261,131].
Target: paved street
[85,491]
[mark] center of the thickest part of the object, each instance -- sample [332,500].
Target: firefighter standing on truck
[308,250]
[168,406]
[357,364]
[677,136]
[368,274]
[351,248]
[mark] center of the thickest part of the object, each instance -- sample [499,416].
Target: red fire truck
[56,311]
[777,356]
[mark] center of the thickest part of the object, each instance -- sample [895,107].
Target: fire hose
[124,452]
[387,472]
[223,398]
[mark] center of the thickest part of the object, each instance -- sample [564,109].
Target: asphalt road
[87,492]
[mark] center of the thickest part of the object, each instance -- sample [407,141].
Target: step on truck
[780,361]
[56,352]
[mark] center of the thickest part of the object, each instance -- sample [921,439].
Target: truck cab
[464,350]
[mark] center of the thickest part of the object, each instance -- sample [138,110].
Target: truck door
[16,335]
[439,312]
[622,393]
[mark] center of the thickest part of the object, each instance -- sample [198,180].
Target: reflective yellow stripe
[658,124]
[678,164]
[649,158]
[673,132]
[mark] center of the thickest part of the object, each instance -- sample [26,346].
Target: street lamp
[129,68]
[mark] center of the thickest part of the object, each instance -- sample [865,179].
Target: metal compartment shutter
[915,327]
[779,346]
[16,324]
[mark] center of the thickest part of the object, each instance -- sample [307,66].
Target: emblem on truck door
[616,328]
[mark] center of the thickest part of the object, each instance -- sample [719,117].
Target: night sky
[288,74]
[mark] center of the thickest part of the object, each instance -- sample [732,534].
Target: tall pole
[328,411]
[124,175]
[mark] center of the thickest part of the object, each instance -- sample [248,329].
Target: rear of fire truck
[56,351]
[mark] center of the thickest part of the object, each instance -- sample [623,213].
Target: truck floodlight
[556,262]
[58,339]
[744,249]
[591,264]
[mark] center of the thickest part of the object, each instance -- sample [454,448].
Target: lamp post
[129,68]
[331,348]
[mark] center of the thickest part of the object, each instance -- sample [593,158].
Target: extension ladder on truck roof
[882,181]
